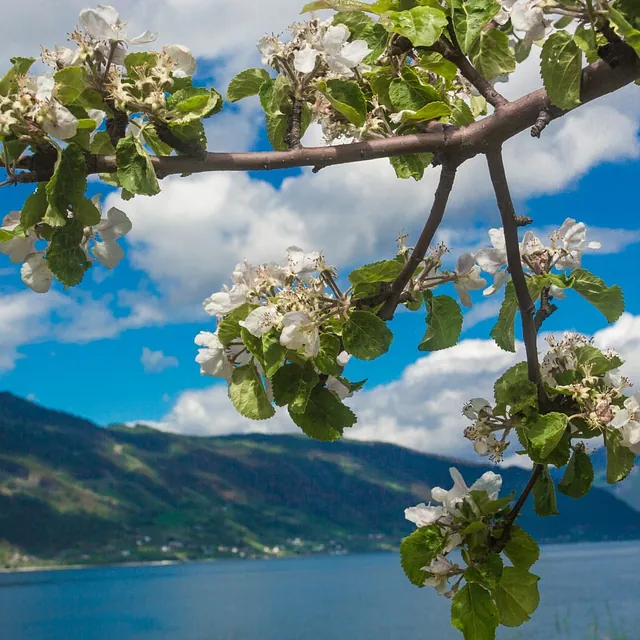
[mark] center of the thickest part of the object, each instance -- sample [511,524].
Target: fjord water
[360,597]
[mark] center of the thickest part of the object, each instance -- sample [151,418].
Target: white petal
[183,60]
[97,116]
[144,38]
[490,482]
[99,23]
[45,86]
[424,515]
[353,53]
[343,358]
[304,60]
[491,260]
[65,124]
[334,38]
[557,292]
[35,273]
[18,248]
[115,226]
[108,253]
[343,392]
[465,263]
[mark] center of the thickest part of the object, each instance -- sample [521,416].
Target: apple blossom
[468,278]
[627,421]
[103,23]
[212,357]
[19,247]
[300,332]
[35,273]
[424,515]
[262,320]
[569,243]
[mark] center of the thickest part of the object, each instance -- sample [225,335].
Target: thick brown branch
[447,178]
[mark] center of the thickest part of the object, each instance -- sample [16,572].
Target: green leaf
[444,322]
[620,459]
[67,185]
[134,168]
[86,212]
[561,69]
[253,344]
[596,362]
[491,54]
[608,300]
[193,103]
[273,352]
[517,596]
[274,95]
[578,476]
[139,62]
[65,258]
[151,138]
[586,38]
[410,93]
[101,144]
[362,27]
[284,383]
[421,25]
[488,572]
[307,382]
[384,271]
[20,67]
[325,417]
[229,328]
[545,431]
[470,17]
[247,83]
[624,28]
[461,113]
[336,5]
[73,88]
[474,612]
[431,111]
[437,64]
[514,389]
[326,360]
[522,550]
[366,336]
[347,98]
[192,132]
[411,166]
[544,495]
[418,550]
[34,207]
[248,394]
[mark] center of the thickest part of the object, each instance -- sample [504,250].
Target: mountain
[72,492]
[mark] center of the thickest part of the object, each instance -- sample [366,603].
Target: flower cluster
[485,425]
[527,18]
[99,243]
[451,517]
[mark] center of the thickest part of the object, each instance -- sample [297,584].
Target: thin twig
[447,178]
[294,126]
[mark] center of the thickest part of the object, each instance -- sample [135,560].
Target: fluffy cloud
[157,361]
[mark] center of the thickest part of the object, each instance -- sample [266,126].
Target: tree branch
[447,178]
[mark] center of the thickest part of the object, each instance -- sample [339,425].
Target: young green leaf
[347,98]
[411,166]
[253,344]
[325,417]
[544,495]
[431,111]
[68,184]
[620,459]
[470,18]
[366,336]
[522,550]
[248,394]
[625,28]
[101,144]
[418,550]
[194,103]
[20,68]
[384,271]
[303,387]
[444,322]
[34,207]
[578,475]
[517,596]
[134,168]
[461,113]
[73,88]
[474,612]
[246,83]
[273,353]
[229,328]
[326,360]
[492,55]
[514,389]
[608,300]
[421,25]
[545,432]
[561,68]
[67,261]
[86,212]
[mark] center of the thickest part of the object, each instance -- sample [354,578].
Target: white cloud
[157,361]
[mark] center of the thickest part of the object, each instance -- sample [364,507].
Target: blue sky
[82,350]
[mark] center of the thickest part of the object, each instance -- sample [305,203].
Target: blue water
[362,597]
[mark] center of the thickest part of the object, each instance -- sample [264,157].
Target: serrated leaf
[421,25]
[229,328]
[325,417]
[347,98]
[20,68]
[134,168]
[461,113]
[336,5]
[418,550]
[620,459]
[561,69]
[101,144]
[86,212]
[545,431]
[578,476]
[410,93]
[383,271]
[67,185]
[253,344]
[34,207]
[187,105]
[431,111]
[444,322]
[411,166]
[625,28]
[514,389]
[273,352]
[474,613]
[152,139]
[517,596]
[544,495]
[307,382]
[73,88]
[488,572]
[247,83]
[521,549]
[595,361]
[492,55]
[366,336]
[326,360]
[470,17]
[248,395]
[437,64]
[608,300]
[67,261]
[138,63]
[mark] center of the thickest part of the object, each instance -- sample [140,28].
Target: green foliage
[330,349]
[620,459]
[521,549]
[608,300]
[474,612]
[246,83]
[73,88]
[35,207]
[411,166]
[544,495]
[517,596]
[347,98]
[326,416]
[561,68]
[470,18]
[366,336]
[544,432]
[514,390]
[418,550]
[86,212]
[20,68]
[491,54]
[273,353]
[67,261]
[134,168]
[248,394]
[362,27]
[383,271]
[101,144]
[67,185]
[303,387]
[229,328]
[595,362]
[630,33]
[421,25]
[461,113]
[578,475]
[431,111]
[192,104]
[444,323]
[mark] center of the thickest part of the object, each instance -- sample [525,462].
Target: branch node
[523,221]
[541,123]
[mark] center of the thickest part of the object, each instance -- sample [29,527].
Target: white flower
[35,273]
[452,499]
[262,320]
[108,254]
[424,515]
[614,379]
[184,64]
[468,278]
[16,248]
[475,407]
[342,56]
[301,263]
[531,244]
[225,301]
[269,47]
[343,392]
[212,358]
[441,568]
[343,358]
[557,292]
[300,332]
[494,259]
[627,421]
[486,445]
[528,20]
[103,23]
[61,124]
[304,60]
[44,86]
[570,243]
[116,225]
